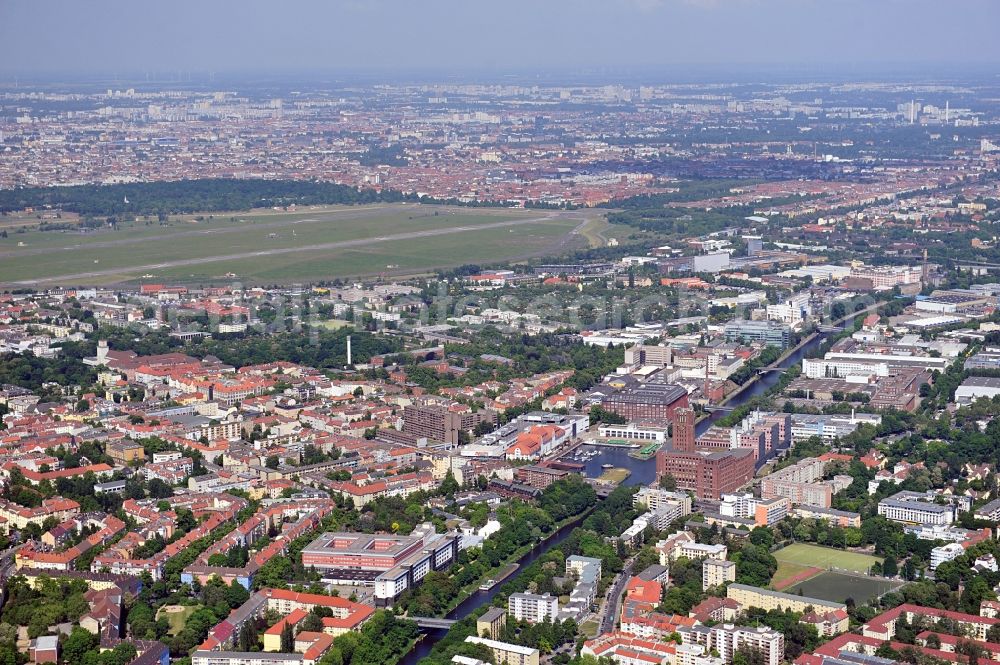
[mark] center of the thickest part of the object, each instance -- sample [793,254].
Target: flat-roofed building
[728,640]
[716,572]
[977,387]
[708,474]
[841,518]
[392,563]
[538,476]
[533,607]
[204,657]
[358,555]
[990,511]
[491,623]
[649,401]
[648,354]
[946,552]
[505,653]
[916,508]
[442,422]
[769,333]
[633,432]
[655,498]
[988,358]
[802,483]
[840,364]
[751,596]
[829,426]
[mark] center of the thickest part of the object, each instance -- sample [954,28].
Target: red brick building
[649,401]
[708,474]
[538,476]
[683,435]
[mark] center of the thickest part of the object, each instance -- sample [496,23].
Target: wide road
[343,244]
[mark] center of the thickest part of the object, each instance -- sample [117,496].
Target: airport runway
[360,213]
[81,277]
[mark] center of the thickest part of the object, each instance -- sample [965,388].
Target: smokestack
[911,111]
[947,112]
[349,350]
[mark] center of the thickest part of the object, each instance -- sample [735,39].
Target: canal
[481,598]
[643,472]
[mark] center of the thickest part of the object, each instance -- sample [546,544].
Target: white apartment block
[695,654]
[655,498]
[729,639]
[581,564]
[948,552]
[716,572]
[533,607]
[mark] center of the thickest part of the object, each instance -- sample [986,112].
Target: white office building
[916,508]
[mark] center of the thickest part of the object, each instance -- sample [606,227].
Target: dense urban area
[500,374]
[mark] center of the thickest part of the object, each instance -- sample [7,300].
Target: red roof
[640,590]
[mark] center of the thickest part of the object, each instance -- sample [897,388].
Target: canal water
[481,598]
[643,472]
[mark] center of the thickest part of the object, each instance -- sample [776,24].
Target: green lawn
[137,248]
[176,615]
[589,628]
[805,555]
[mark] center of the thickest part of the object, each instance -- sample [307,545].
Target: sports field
[838,587]
[801,561]
[276,246]
[825,557]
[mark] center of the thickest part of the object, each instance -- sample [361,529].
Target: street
[610,608]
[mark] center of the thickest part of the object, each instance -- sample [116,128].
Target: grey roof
[982,382]
[990,507]
[46,642]
[651,573]
[818,602]
[916,501]
[491,615]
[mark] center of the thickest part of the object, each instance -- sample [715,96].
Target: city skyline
[391,37]
[566,332]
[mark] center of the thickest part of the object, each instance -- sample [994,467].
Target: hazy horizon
[108,38]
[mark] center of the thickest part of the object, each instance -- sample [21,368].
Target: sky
[269,36]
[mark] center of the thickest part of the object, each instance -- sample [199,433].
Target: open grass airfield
[311,244]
